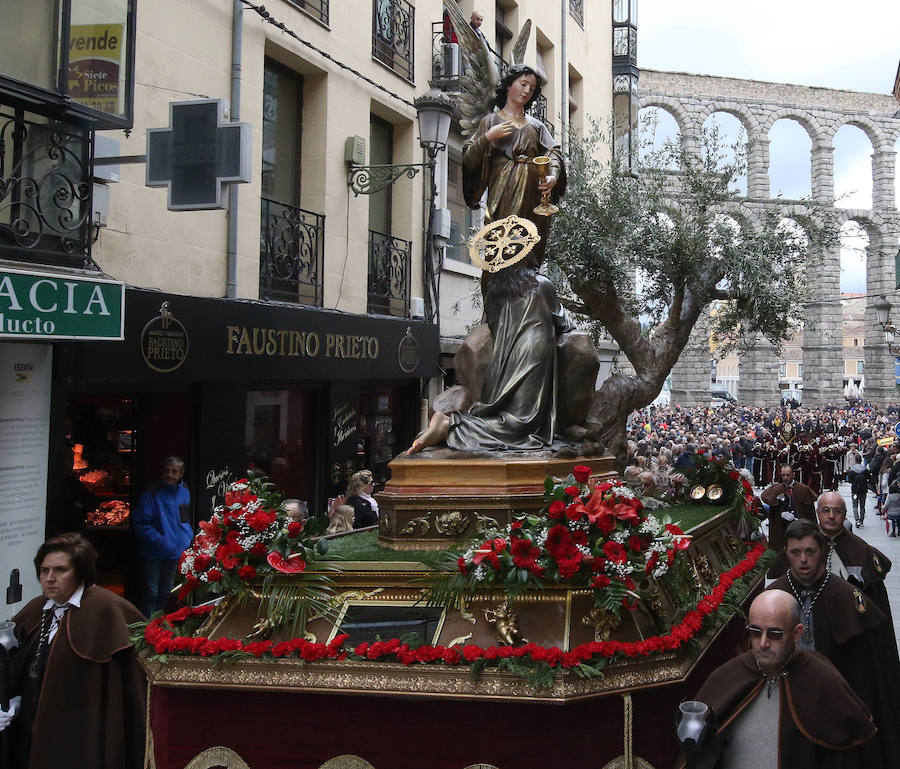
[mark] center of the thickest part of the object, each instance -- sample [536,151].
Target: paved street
[874,532]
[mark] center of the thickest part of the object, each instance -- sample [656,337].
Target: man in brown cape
[842,623]
[784,502]
[767,704]
[80,690]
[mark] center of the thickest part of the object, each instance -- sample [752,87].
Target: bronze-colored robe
[810,734]
[505,170]
[90,714]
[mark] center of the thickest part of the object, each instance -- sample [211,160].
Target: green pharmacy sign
[45,306]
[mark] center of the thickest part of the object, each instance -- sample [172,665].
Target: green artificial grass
[364,545]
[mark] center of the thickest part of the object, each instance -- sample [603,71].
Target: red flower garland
[159,637]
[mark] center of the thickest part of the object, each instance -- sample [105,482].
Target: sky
[789,41]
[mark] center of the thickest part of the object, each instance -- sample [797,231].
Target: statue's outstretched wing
[518,51]
[479,73]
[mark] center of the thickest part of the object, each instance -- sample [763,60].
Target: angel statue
[517,407]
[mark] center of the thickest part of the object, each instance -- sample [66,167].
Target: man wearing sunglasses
[842,623]
[767,704]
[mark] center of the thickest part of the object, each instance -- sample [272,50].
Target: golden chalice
[545,208]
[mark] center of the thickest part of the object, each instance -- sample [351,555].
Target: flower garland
[159,636]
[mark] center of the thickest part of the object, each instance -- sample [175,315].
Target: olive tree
[645,253]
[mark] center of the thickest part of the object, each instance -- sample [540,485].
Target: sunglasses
[772,633]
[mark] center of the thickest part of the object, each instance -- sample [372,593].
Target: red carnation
[581,473]
[461,565]
[259,549]
[635,543]
[261,520]
[571,491]
[600,581]
[214,575]
[202,561]
[246,572]
[295,528]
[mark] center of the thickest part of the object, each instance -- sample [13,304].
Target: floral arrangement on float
[248,542]
[713,479]
[587,536]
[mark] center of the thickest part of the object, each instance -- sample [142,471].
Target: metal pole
[237,41]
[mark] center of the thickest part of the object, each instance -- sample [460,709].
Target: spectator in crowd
[162,525]
[296,510]
[341,520]
[767,704]
[78,689]
[359,497]
[859,478]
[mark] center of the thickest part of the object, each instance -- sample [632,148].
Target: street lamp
[883,316]
[625,74]
[433,112]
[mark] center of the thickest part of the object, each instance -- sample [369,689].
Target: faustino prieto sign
[36,305]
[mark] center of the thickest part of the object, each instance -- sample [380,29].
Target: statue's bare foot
[436,432]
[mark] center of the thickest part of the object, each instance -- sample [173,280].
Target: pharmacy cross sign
[199,153]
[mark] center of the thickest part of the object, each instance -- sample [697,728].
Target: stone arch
[686,124]
[868,126]
[810,124]
[745,115]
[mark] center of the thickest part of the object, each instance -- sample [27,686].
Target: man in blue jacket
[162,525]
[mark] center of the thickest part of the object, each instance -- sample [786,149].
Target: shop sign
[198,154]
[164,342]
[45,306]
[95,58]
[408,352]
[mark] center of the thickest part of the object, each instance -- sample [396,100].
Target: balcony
[317,9]
[393,36]
[389,268]
[448,64]
[45,190]
[576,11]
[291,247]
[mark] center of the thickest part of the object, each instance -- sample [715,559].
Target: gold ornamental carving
[217,756]
[602,621]
[451,524]
[505,621]
[422,522]
[486,522]
[346,762]
[503,243]
[702,569]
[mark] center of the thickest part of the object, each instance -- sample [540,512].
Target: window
[782,370]
[859,367]
[282,104]
[393,35]
[800,371]
[856,342]
[461,216]
[81,51]
[318,9]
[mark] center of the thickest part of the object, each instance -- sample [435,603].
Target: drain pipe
[564,80]
[237,41]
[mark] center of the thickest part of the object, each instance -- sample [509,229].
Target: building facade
[294,329]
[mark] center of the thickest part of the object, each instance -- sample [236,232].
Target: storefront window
[280,439]
[384,428]
[461,216]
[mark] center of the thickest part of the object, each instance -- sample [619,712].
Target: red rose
[202,561]
[295,528]
[581,473]
[515,525]
[556,509]
[734,475]
[571,491]
[575,510]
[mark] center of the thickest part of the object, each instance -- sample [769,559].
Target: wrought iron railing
[448,63]
[393,36]
[45,190]
[389,268]
[291,247]
[318,9]
[576,11]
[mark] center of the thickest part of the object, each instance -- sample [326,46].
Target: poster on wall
[24,438]
[95,58]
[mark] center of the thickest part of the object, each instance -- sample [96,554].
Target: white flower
[479,573]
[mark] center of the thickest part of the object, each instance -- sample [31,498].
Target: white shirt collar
[74,599]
